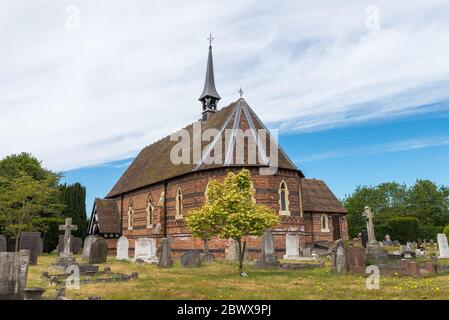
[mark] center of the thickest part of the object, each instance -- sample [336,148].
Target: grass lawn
[220,280]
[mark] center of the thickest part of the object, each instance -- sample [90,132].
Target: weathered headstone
[207,257]
[122,248]
[443,245]
[145,250]
[165,259]
[3,247]
[291,247]
[232,251]
[13,274]
[98,251]
[87,245]
[356,258]
[268,258]
[30,241]
[374,251]
[191,259]
[431,244]
[339,264]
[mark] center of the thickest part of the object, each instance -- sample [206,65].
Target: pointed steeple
[210,96]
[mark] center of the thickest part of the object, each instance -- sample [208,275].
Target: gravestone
[268,257]
[87,245]
[41,246]
[75,244]
[145,250]
[443,246]
[13,274]
[122,248]
[207,257]
[11,245]
[291,247]
[191,259]
[3,246]
[374,251]
[364,238]
[98,251]
[356,258]
[165,259]
[30,241]
[232,251]
[339,264]
[66,257]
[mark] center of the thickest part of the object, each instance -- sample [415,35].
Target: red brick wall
[193,188]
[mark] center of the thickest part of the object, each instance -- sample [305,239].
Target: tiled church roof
[317,197]
[153,164]
[108,215]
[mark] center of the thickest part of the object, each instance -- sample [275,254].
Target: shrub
[429,232]
[403,229]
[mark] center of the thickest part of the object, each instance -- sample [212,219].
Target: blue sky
[358,89]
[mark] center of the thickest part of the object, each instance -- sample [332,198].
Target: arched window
[150,212]
[178,204]
[283,199]
[324,223]
[130,215]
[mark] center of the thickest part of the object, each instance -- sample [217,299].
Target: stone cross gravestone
[165,259]
[13,274]
[30,241]
[145,250]
[98,251]
[3,247]
[86,248]
[268,257]
[191,259]
[339,264]
[368,215]
[66,257]
[356,258]
[122,248]
[291,247]
[442,245]
[67,228]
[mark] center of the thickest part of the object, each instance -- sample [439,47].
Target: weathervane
[241,92]
[210,39]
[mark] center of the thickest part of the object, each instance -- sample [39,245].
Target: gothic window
[130,216]
[324,223]
[178,204]
[150,212]
[283,199]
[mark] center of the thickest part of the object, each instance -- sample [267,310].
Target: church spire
[210,96]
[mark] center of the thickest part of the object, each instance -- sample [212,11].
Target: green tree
[29,196]
[24,199]
[403,229]
[231,212]
[74,198]
[429,203]
[205,222]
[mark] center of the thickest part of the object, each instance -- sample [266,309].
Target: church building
[154,195]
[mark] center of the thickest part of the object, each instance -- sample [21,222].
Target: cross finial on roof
[241,92]
[210,39]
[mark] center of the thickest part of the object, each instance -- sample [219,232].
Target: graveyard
[220,280]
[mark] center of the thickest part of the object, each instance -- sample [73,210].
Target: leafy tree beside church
[32,199]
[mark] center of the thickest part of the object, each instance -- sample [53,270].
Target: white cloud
[396,146]
[134,70]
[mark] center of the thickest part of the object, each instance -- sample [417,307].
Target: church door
[336,227]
